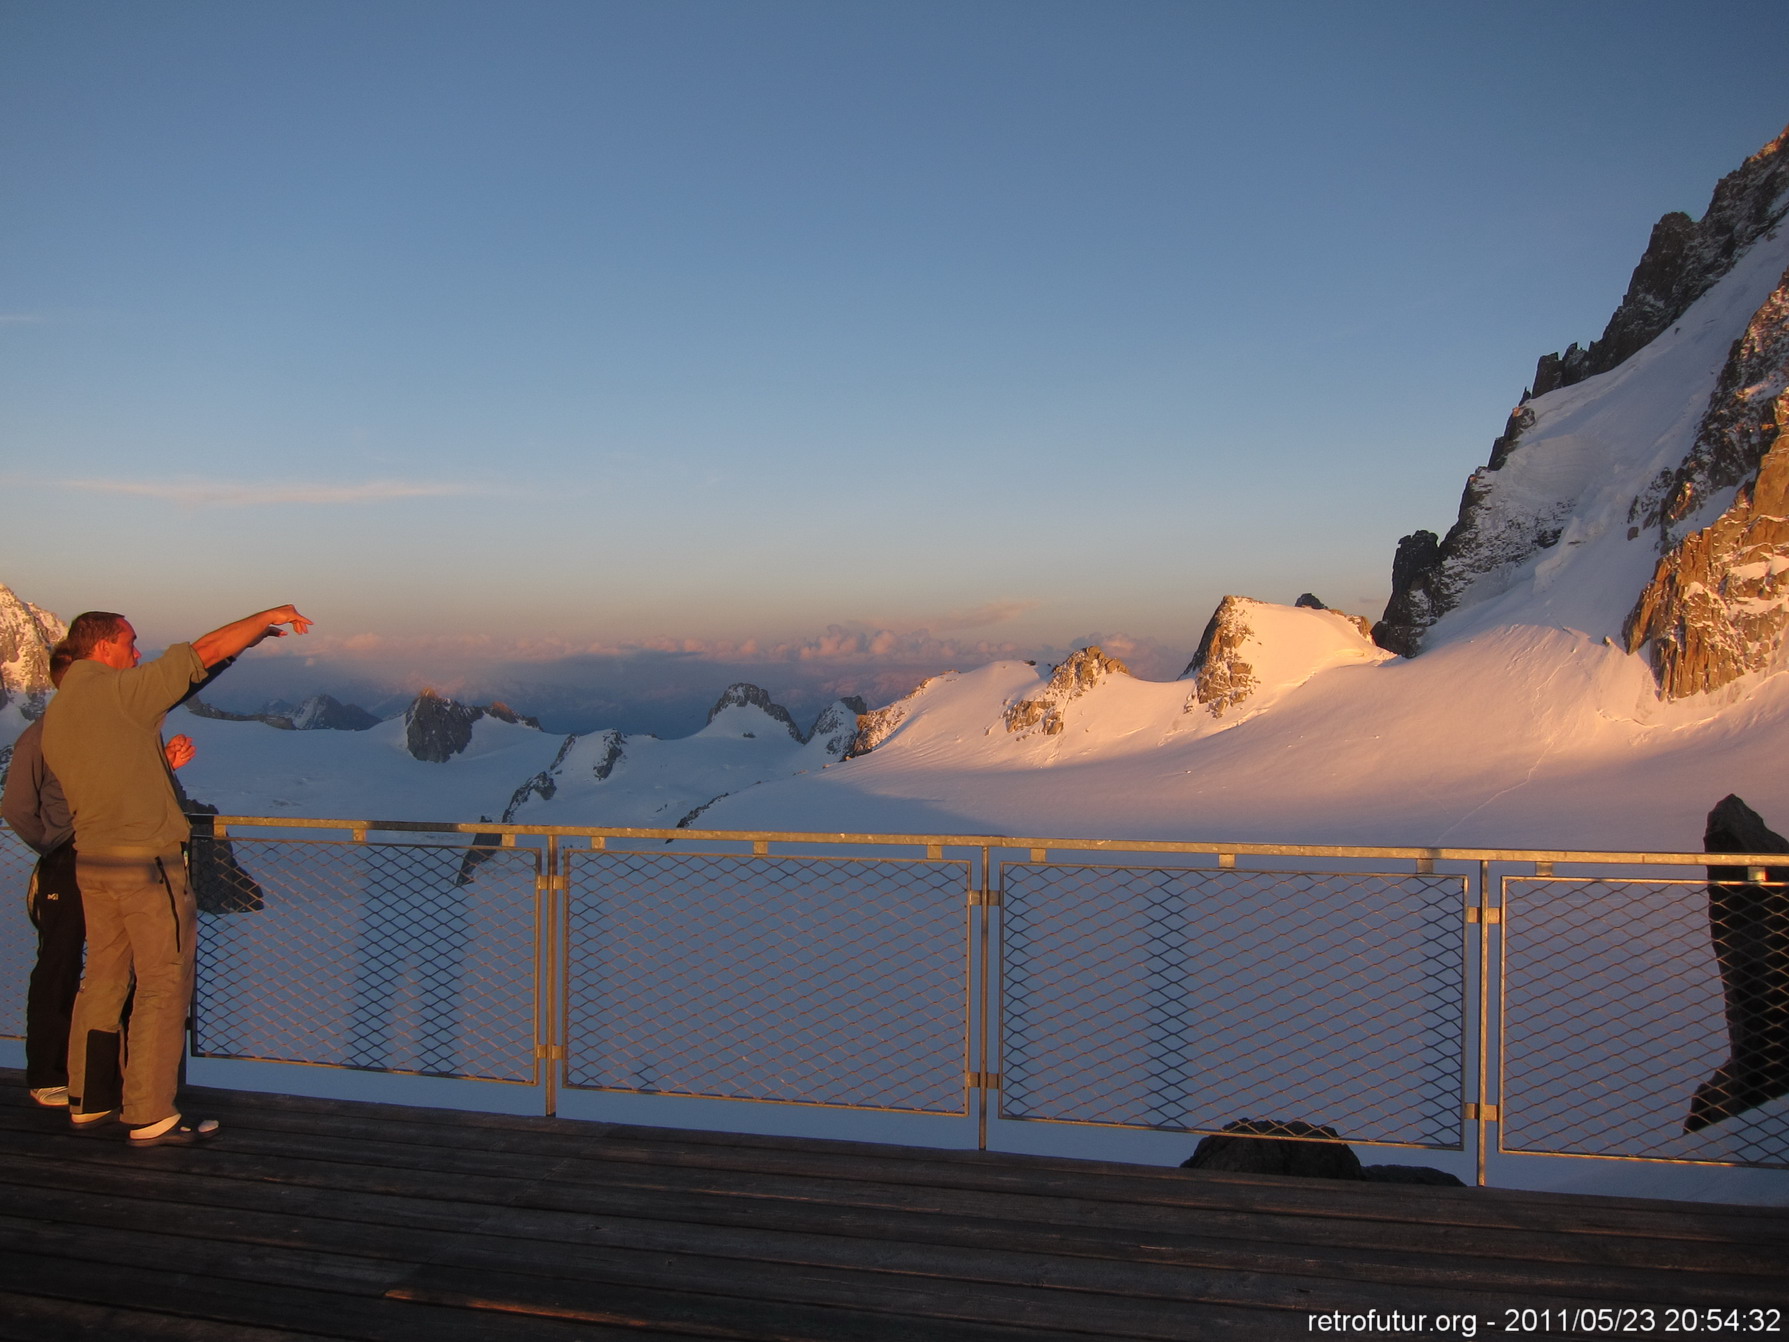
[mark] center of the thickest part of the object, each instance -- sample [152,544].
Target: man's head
[104,637]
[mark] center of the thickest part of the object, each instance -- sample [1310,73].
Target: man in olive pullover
[102,740]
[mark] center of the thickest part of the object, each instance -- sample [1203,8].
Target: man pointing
[102,740]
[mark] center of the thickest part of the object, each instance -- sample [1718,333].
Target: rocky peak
[322,712]
[1498,527]
[27,633]
[876,727]
[1221,678]
[1717,607]
[836,726]
[504,713]
[1068,681]
[436,729]
[742,695]
[1683,260]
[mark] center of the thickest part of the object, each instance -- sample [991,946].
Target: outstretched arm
[221,644]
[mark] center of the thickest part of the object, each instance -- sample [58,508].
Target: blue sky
[850,339]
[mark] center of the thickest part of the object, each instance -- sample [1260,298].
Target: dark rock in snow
[437,729]
[1265,1146]
[742,695]
[1309,602]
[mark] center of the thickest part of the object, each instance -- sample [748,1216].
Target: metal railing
[1441,999]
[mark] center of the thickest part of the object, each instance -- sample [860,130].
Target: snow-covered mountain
[609,778]
[27,633]
[1592,657]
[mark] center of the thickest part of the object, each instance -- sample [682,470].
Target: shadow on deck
[320,1218]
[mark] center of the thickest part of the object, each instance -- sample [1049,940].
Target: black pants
[55,979]
[56,909]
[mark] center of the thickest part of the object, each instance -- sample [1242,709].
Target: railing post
[549,1018]
[983,1066]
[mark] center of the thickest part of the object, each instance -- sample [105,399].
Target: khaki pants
[140,924]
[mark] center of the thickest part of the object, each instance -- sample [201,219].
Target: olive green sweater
[102,740]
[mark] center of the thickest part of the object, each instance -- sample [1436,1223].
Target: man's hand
[222,644]
[283,615]
[179,751]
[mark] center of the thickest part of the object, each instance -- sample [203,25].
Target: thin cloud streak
[239,494]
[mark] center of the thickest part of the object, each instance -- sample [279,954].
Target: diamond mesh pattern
[395,957]
[18,949]
[1187,999]
[833,981]
[1618,1012]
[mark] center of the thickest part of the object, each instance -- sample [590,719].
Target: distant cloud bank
[242,494]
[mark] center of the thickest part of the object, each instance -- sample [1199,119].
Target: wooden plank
[1300,1197]
[893,1241]
[32,1318]
[710,1315]
[506,1227]
[567,1184]
[894,1276]
[1770,1220]
[185,1292]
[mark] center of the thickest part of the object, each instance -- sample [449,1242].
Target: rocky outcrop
[610,744]
[322,712]
[1717,607]
[437,729]
[1497,527]
[1718,604]
[1068,681]
[544,784]
[1683,260]
[201,708]
[1221,678]
[742,695]
[835,729]
[876,727]
[504,713]
[1428,577]
[27,633]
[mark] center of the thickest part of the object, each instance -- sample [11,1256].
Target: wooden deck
[315,1218]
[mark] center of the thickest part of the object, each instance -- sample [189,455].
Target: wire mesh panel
[396,957]
[837,981]
[1646,1018]
[1190,999]
[18,948]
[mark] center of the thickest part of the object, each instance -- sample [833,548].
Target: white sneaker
[51,1097]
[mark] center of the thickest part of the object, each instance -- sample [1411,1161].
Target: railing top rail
[1351,851]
